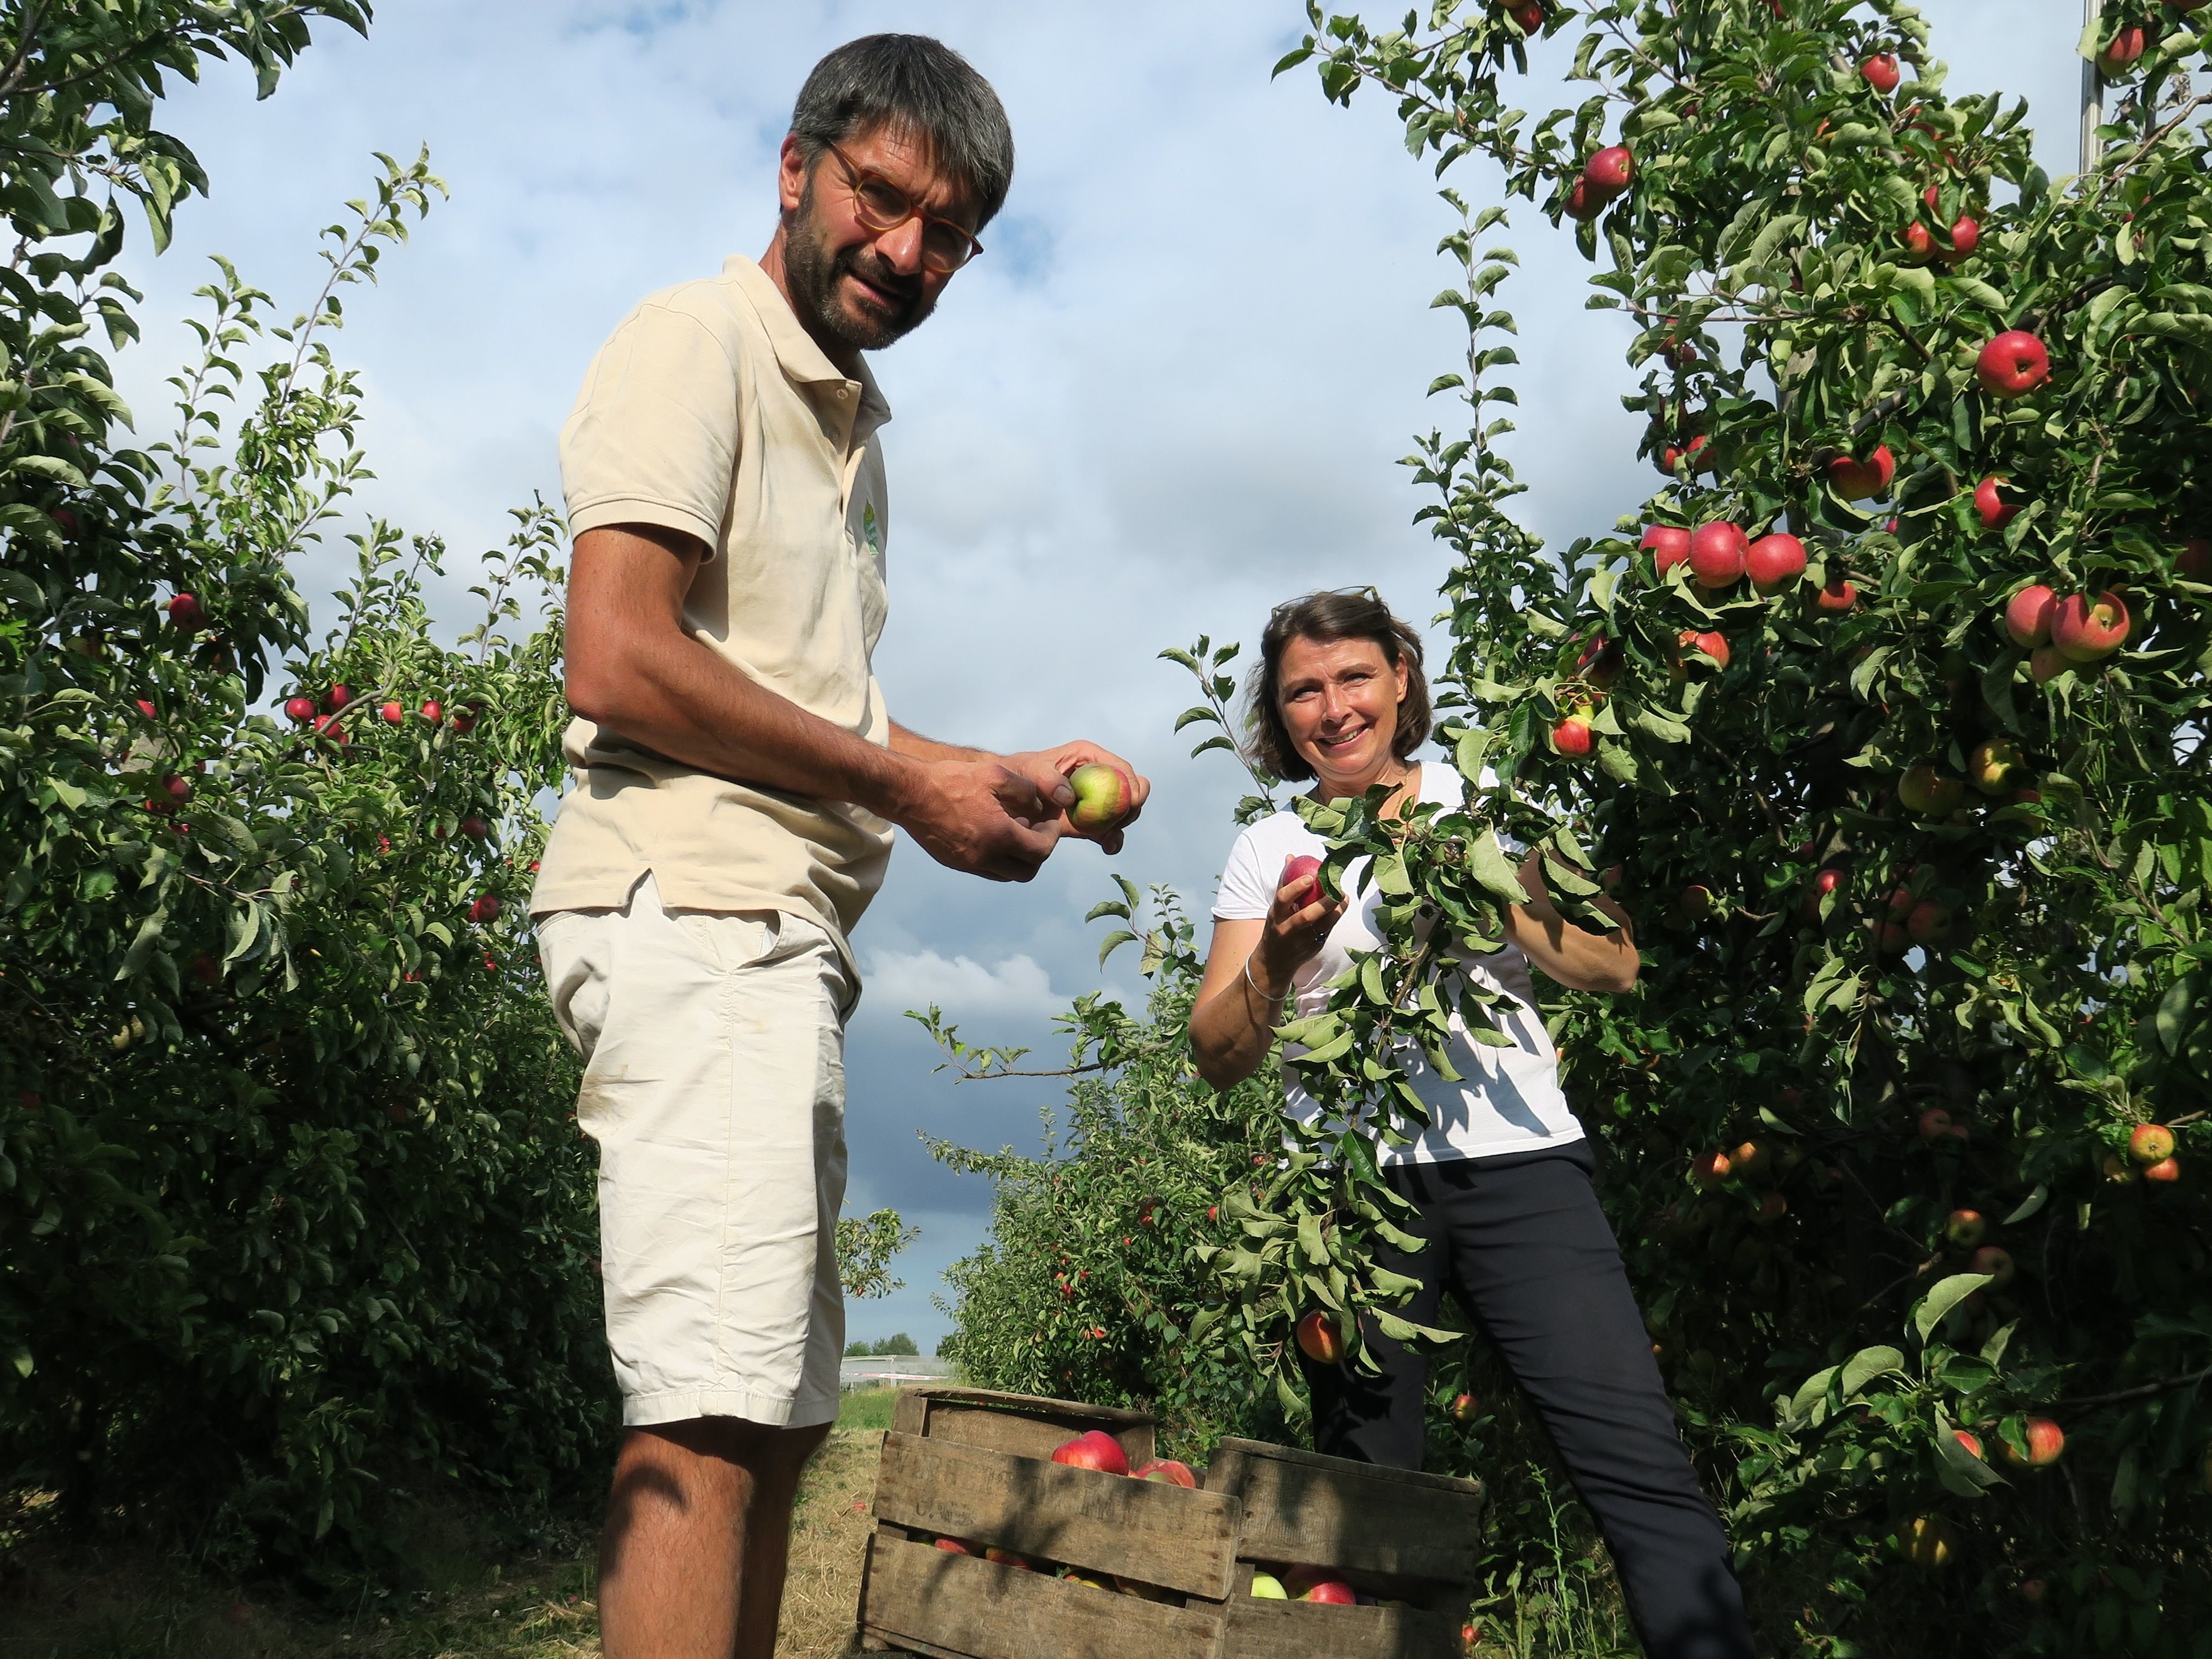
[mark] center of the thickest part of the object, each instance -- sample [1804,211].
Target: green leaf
[1947,1294]
[1113,942]
[1862,1367]
[1813,1390]
[1487,863]
[2028,1206]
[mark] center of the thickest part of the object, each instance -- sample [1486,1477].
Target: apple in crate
[1169,1472]
[1094,1449]
[1266,1587]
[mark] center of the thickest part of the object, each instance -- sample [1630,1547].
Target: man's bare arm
[633,667]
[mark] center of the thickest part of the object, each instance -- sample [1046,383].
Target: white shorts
[714,1084]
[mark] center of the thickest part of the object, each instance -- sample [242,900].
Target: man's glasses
[881,206]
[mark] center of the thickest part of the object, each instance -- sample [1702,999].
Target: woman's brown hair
[1346,614]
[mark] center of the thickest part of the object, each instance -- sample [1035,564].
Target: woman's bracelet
[1254,983]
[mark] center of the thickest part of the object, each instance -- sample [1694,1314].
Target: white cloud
[1017,987]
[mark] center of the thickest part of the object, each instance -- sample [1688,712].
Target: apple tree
[291,1205]
[1885,716]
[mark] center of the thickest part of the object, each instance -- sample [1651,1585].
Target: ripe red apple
[1601,660]
[2046,664]
[1717,550]
[1609,172]
[1995,512]
[184,612]
[433,712]
[1168,1471]
[1824,881]
[2166,1169]
[475,828]
[1964,1229]
[2150,1143]
[1772,1206]
[391,714]
[1582,204]
[1919,241]
[2088,630]
[1006,1558]
[1929,923]
[1571,737]
[1529,15]
[956,1547]
[1094,1449]
[2046,1441]
[1670,544]
[2125,46]
[1103,795]
[1881,72]
[1965,237]
[1858,481]
[1465,1408]
[2029,615]
[1970,1440]
[1303,867]
[2194,562]
[336,698]
[1750,1161]
[1995,1260]
[1711,1170]
[1334,1591]
[1673,455]
[2013,364]
[1773,560]
[301,709]
[1712,643]
[464,717]
[1935,1125]
[175,791]
[485,908]
[1319,1337]
[1839,594]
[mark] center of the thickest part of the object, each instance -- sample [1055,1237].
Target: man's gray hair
[912,81]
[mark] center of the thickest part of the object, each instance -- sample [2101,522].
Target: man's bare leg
[697,1539]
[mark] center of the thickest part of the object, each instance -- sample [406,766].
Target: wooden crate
[1392,1534]
[965,1463]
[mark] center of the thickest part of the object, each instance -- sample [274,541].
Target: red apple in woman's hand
[1306,868]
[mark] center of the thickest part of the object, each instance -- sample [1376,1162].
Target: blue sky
[1171,395]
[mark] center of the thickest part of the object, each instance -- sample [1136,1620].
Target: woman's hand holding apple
[1297,926]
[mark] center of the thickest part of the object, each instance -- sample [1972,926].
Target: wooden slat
[1303,1630]
[1144,1530]
[1302,1507]
[1025,1425]
[959,1605]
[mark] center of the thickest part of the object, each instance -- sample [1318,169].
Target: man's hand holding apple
[1098,792]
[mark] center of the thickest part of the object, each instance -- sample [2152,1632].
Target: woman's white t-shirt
[1508,1099]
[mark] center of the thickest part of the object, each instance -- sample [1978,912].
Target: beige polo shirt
[710,410]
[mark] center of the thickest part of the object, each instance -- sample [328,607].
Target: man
[737,778]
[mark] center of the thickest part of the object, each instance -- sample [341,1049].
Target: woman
[1501,1177]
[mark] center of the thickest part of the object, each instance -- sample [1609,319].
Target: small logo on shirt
[871,529]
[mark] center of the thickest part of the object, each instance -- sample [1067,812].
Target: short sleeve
[653,436]
[1245,893]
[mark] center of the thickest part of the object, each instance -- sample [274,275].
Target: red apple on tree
[2123,50]
[2150,1143]
[390,713]
[2088,630]
[1995,511]
[1965,1228]
[301,709]
[1094,1449]
[1919,241]
[2047,1442]
[1970,1440]
[2166,1169]
[1929,924]
[1711,642]
[486,907]
[1857,480]
[184,612]
[1670,544]
[1609,172]
[1935,1125]
[1717,550]
[1465,1408]
[1320,1339]
[1996,1261]
[433,712]
[1881,72]
[1965,237]
[1839,594]
[1529,15]
[2013,364]
[1711,1170]
[1582,204]
[1571,737]
[1773,560]
[1824,881]
[2029,615]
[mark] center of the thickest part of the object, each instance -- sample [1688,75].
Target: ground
[480,1602]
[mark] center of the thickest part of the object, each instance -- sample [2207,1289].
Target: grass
[458,1594]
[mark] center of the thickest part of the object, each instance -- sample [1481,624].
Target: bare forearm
[681,700]
[914,746]
[1232,1030]
[1578,959]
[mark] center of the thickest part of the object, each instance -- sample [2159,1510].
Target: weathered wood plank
[958,1605]
[1142,1530]
[1022,1424]
[1302,1507]
[1305,1630]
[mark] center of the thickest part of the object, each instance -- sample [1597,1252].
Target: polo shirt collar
[800,358]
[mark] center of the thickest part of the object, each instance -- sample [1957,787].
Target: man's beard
[814,274]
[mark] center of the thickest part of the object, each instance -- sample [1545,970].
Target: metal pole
[2092,88]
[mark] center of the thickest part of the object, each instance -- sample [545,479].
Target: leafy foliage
[2023,958]
[290,1190]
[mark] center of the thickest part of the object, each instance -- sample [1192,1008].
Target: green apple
[1266,1587]
[1103,794]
